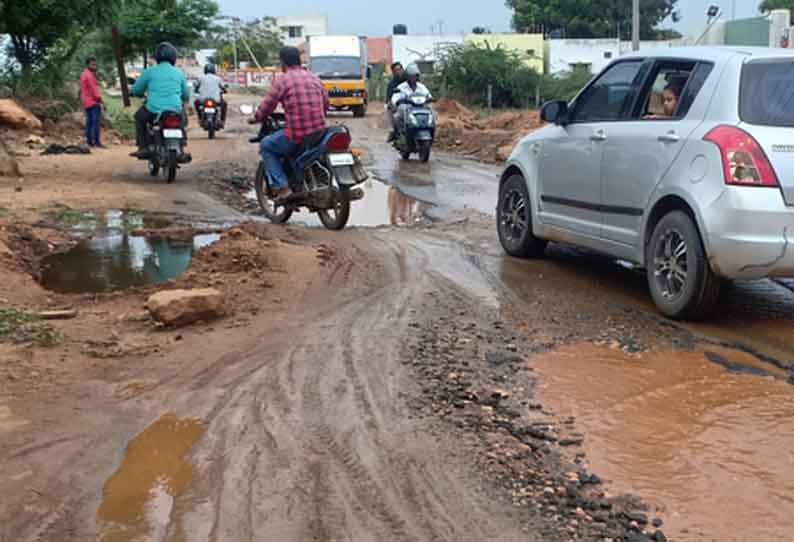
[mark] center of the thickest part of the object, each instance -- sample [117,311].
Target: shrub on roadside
[564,86]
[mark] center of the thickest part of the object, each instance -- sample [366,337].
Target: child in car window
[670,97]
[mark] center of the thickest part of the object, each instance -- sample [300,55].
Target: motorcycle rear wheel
[267,205]
[172,166]
[336,218]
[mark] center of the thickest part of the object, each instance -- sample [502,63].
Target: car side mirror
[555,112]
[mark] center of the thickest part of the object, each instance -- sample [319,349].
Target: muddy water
[118,262]
[712,448]
[138,498]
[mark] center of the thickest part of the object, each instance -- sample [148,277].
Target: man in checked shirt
[305,101]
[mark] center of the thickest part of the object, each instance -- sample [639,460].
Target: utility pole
[733,9]
[635,25]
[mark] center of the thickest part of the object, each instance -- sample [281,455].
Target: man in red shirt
[92,103]
[305,101]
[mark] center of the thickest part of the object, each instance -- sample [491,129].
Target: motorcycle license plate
[209,110]
[344,159]
[175,134]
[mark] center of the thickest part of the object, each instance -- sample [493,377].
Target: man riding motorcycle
[411,87]
[165,88]
[210,87]
[305,102]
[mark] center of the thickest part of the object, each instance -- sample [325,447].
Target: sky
[455,16]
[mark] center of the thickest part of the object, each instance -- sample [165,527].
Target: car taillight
[172,122]
[744,161]
[340,141]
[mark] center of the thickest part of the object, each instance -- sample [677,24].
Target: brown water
[713,449]
[138,497]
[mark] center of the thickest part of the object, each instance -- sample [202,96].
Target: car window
[767,93]
[611,96]
[663,95]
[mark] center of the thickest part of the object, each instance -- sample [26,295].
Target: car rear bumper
[750,234]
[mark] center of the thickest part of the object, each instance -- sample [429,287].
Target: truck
[341,63]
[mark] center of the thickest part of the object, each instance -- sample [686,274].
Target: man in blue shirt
[166,89]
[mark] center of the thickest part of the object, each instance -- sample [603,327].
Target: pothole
[119,261]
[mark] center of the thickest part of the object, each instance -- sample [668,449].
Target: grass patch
[71,217]
[23,327]
[121,118]
[4,212]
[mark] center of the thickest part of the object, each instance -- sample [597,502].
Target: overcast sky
[361,17]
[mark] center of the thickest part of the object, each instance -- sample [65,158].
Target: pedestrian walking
[92,103]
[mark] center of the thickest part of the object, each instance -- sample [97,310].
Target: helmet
[165,52]
[412,70]
[209,68]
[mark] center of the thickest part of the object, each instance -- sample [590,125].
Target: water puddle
[110,220]
[382,205]
[700,435]
[119,261]
[138,498]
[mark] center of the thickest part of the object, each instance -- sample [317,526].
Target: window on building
[607,54]
[295,31]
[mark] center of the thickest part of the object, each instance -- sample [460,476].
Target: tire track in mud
[311,442]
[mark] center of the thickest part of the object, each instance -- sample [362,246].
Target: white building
[295,30]
[422,50]
[563,55]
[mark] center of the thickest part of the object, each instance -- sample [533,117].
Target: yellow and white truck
[341,63]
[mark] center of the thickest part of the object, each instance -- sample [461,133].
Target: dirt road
[399,383]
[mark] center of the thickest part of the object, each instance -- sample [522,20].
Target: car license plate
[345,159]
[172,134]
[209,110]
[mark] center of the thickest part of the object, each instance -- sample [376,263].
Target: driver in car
[305,102]
[411,88]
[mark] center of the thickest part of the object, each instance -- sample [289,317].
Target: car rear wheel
[680,279]
[514,220]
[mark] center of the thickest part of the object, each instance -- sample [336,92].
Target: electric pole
[635,25]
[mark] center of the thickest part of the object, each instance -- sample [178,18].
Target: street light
[635,25]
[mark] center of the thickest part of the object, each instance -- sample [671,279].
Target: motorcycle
[418,131]
[166,137]
[323,176]
[209,116]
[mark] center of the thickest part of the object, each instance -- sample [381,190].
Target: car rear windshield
[767,92]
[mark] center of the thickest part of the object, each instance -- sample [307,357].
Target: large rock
[12,114]
[183,307]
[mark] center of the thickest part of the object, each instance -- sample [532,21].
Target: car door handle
[600,135]
[670,137]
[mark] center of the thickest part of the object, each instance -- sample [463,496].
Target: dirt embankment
[490,139]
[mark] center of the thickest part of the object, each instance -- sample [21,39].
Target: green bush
[466,72]
[121,118]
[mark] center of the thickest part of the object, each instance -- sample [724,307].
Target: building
[564,55]
[295,30]
[379,51]
[772,30]
[423,51]
[528,46]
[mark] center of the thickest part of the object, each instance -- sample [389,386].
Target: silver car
[679,160]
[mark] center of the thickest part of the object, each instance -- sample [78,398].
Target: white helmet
[413,69]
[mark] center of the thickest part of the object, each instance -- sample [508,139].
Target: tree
[261,36]
[145,23]
[36,26]
[468,70]
[589,18]
[770,5]
[479,30]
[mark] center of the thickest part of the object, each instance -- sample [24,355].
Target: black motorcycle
[166,147]
[417,132]
[209,116]
[323,175]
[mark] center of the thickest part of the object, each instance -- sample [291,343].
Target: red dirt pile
[490,139]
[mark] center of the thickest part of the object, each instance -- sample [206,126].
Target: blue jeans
[274,148]
[93,120]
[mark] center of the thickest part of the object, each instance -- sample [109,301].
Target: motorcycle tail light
[210,103]
[744,161]
[172,121]
[340,141]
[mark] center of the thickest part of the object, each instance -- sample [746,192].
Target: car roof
[711,53]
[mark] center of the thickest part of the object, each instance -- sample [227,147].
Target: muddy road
[400,380]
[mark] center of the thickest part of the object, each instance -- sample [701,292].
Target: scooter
[418,131]
[323,176]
